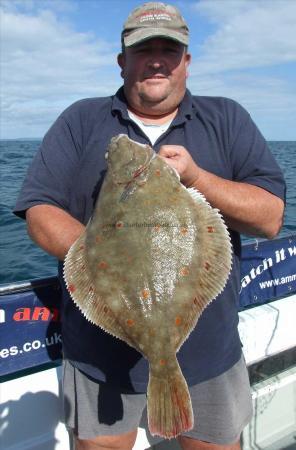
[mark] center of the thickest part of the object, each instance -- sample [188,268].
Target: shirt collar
[184,112]
[119,103]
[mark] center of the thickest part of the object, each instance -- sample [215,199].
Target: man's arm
[53,229]
[246,208]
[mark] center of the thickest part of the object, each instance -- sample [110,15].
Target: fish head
[127,158]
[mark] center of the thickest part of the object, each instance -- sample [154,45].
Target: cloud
[250,40]
[249,33]
[46,65]
[254,92]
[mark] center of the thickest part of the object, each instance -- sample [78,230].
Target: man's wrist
[193,178]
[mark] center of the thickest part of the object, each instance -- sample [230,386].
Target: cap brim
[137,36]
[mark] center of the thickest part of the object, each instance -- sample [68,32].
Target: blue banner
[30,327]
[268,271]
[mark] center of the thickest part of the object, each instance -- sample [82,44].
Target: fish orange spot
[145,293]
[157,172]
[184,230]
[178,321]
[211,229]
[102,265]
[157,227]
[130,322]
[105,309]
[98,239]
[81,247]
[91,289]
[207,266]
[71,288]
[119,224]
[184,271]
[162,362]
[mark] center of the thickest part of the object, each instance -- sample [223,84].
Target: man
[215,147]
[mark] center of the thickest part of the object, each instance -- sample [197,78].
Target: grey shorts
[222,406]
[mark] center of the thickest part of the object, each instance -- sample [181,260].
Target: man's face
[154,74]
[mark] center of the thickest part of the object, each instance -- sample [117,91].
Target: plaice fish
[151,259]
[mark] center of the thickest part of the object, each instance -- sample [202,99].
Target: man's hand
[246,208]
[180,159]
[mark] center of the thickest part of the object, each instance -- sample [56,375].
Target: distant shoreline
[21,139]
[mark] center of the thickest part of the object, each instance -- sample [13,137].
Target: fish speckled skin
[151,259]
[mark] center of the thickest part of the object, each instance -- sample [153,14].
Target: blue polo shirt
[68,171]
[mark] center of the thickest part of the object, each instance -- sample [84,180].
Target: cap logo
[157,15]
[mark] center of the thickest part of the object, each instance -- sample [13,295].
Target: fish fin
[196,195]
[215,261]
[84,295]
[169,404]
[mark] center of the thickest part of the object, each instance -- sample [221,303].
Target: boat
[30,356]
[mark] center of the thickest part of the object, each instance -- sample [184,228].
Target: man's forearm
[246,208]
[53,229]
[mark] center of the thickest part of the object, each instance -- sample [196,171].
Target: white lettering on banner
[55,339]
[292,251]
[279,256]
[277,281]
[2,316]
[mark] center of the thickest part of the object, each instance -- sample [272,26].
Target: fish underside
[151,259]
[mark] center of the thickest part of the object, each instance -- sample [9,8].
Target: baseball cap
[154,19]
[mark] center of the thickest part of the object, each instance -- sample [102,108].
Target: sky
[55,52]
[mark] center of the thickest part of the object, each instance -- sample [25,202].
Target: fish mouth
[125,136]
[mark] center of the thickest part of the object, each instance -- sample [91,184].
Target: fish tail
[169,404]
